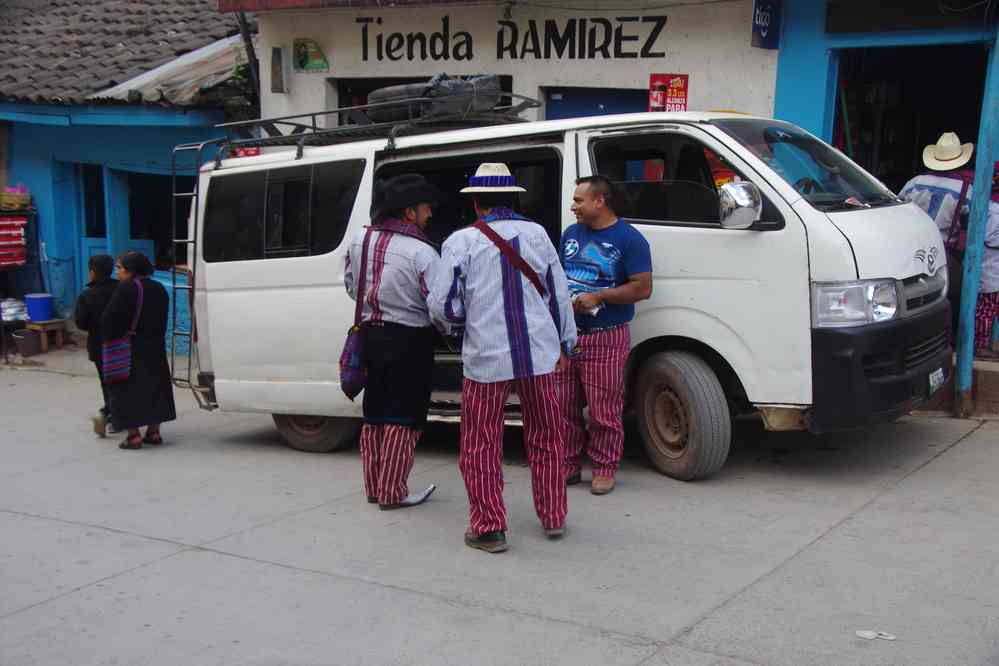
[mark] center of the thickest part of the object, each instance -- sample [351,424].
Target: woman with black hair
[89,308]
[139,309]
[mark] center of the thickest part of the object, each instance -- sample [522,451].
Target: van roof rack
[418,115]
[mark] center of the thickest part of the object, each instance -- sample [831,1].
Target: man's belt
[598,329]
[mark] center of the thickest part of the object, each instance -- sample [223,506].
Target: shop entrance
[578,102]
[892,102]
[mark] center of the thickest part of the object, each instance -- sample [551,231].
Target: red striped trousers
[387,458]
[481,458]
[595,377]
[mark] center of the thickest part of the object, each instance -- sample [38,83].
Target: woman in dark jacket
[146,397]
[89,308]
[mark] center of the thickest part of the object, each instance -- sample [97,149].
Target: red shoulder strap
[507,251]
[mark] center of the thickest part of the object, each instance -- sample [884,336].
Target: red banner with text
[668,92]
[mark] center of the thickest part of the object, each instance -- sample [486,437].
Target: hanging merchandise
[13,245]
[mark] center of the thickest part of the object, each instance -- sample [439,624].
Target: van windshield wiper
[849,203]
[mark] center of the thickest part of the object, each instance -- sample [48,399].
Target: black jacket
[89,308]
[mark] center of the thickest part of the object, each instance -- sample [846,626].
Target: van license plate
[937,379]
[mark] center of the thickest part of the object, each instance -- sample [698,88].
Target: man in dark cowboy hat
[396,259]
[502,280]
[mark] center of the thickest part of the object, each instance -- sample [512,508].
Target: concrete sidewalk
[224,547]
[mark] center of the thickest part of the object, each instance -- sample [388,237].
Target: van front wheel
[317,434]
[683,417]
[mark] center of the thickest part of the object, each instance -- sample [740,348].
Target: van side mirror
[740,205]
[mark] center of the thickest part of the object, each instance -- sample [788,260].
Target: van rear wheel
[317,434]
[683,417]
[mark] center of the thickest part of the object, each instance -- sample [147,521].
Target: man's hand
[563,362]
[585,303]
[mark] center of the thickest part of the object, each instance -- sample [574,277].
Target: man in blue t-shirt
[609,268]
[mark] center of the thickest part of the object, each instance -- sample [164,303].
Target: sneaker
[100,424]
[555,532]
[574,480]
[601,485]
[491,542]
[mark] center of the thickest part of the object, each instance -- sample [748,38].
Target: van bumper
[878,372]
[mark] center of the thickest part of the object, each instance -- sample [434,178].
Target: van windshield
[823,176]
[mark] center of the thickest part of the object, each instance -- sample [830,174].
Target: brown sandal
[131,443]
[153,439]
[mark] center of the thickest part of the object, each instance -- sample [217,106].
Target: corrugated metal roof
[60,51]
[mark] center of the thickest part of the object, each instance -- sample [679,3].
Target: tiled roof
[63,50]
[267,5]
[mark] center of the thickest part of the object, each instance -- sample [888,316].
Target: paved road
[224,547]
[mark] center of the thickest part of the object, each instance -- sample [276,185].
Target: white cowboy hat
[492,177]
[947,153]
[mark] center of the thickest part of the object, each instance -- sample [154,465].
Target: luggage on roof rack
[448,95]
[446,103]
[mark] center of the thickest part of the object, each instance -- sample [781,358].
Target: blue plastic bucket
[41,307]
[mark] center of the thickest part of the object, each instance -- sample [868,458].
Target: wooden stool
[58,326]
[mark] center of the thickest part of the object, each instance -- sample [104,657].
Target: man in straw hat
[501,280]
[944,193]
[395,259]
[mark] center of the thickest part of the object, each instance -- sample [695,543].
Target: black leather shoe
[491,542]
[412,500]
[372,499]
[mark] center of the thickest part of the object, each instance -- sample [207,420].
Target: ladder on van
[187,374]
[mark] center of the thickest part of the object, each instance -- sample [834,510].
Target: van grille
[924,350]
[922,291]
[884,364]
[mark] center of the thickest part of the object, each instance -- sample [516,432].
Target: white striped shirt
[510,330]
[399,270]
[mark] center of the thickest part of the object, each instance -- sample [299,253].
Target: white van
[788,282]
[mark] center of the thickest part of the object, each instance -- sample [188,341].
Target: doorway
[892,102]
[149,221]
[578,102]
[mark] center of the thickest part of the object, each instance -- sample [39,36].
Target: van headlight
[839,304]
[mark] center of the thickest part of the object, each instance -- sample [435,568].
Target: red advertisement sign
[668,92]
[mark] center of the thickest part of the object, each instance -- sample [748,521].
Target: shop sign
[766,24]
[308,56]
[668,92]
[579,38]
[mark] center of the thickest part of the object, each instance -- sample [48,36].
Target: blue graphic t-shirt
[603,259]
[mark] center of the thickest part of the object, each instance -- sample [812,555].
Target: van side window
[234,217]
[295,211]
[666,178]
[334,189]
[288,211]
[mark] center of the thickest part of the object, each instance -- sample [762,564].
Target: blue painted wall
[807,66]
[45,140]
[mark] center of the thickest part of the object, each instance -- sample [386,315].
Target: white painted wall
[710,42]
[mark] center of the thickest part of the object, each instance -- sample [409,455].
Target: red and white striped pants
[387,457]
[595,375]
[986,311]
[481,458]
